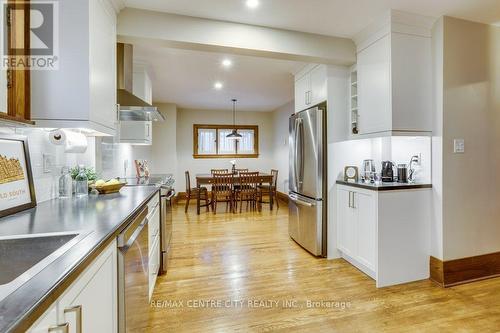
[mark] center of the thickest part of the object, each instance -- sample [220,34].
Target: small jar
[81,183]
[65,184]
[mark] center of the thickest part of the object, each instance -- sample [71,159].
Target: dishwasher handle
[132,231]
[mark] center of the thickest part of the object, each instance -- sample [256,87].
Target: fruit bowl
[109,188]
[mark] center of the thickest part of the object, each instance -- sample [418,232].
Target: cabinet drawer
[154,265]
[153,221]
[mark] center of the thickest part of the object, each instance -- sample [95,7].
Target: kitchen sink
[23,256]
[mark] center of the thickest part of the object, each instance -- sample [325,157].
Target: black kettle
[387,171]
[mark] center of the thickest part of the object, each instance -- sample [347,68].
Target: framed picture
[141,168]
[17,192]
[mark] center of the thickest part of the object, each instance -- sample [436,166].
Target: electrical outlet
[418,159]
[48,162]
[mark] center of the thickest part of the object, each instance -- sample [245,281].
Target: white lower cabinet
[364,206]
[154,265]
[385,234]
[154,243]
[47,322]
[357,228]
[90,303]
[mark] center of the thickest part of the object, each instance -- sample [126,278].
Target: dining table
[204,179]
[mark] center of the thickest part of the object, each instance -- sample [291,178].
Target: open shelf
[354,102]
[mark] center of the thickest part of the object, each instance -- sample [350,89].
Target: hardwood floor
[249,257]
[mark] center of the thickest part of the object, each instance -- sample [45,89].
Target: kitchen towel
[73,142]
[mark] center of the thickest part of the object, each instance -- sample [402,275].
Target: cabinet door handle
[78,310]
[350,199]
[353,204]
[59,328]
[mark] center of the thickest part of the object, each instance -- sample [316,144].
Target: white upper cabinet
[394,70]
[374,88]
[136,132]
[302,86]
[310,87]
[317,84]
[82,93]
[318,77]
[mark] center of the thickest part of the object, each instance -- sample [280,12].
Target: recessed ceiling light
[252,3]
[218,85]
[227,63]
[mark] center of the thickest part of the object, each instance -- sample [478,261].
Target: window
[209,141]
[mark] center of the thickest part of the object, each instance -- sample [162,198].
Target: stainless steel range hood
[131,107]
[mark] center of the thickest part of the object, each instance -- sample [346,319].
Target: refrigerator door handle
[300,147]
[295,160]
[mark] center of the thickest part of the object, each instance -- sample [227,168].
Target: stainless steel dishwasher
[133,276]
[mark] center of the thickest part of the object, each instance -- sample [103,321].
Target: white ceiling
[342,18]
[186,78]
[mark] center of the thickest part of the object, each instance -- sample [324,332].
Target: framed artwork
[17,192]
[141,168]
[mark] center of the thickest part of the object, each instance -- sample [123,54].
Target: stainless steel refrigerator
[307,180]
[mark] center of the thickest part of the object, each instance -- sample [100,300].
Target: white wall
[45,181]
[164,148]
[280,143]
[187,118]
[115,159]
[471,110]
[436,244]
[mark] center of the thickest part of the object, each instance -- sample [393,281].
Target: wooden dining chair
[192,193]
[218,171]
[271,190]
[222,190]
[237,186]
[248,190]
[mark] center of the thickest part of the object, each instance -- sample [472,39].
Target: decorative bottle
[82,183]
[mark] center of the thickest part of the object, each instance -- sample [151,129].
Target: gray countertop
[104,216]
[385,186]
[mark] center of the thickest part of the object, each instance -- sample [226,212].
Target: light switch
[459,146]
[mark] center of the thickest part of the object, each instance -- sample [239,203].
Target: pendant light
[234,135]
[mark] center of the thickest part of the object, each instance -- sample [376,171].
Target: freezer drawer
[305,224]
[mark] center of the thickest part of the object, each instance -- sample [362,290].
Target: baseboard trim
[283,197]
[436,271]
[181,196]
[459,271]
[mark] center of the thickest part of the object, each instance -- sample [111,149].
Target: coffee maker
[387,174]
